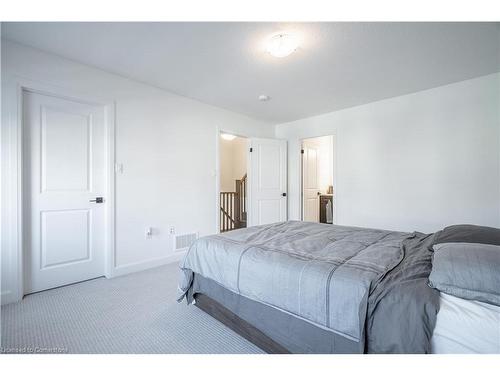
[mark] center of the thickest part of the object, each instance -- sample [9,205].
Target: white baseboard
[150,263]
[7,297]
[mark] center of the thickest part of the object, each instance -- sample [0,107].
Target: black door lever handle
[97,200]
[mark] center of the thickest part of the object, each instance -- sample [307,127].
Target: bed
[298,287]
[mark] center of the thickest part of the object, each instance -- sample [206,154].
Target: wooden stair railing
[241,190]
[233,212]
[227,207]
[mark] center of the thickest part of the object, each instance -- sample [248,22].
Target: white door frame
[334,175]
[218,132]
[12,230]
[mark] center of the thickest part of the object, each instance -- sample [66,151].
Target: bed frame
[238,325]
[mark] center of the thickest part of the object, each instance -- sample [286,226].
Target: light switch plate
[119,168]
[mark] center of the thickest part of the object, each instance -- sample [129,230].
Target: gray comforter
[359,283]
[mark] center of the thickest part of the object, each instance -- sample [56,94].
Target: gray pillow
[468,233]
[467,270]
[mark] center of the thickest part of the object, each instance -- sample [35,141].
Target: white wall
[240,155]
[167,145]
[233,162]
[226,164]
[415,162]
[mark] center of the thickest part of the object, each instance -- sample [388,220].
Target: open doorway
[317,198]
[233,183]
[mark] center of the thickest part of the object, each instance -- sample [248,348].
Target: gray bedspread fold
[338,278]
[402,309]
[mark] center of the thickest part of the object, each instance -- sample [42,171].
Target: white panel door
[64,169]
[268,181]
[310,181]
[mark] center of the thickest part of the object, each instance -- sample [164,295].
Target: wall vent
[184,241]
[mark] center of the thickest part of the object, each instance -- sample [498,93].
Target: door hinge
[301,151]
[251,149]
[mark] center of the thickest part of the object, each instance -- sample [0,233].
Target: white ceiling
[338,65]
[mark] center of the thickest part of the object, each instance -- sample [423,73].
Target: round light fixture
[264,98]
[227,136]
[282,44]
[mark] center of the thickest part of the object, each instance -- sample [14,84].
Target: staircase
[233,207]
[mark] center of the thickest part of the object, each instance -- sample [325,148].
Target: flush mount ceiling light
[227,136]
[282,44]
[264,98]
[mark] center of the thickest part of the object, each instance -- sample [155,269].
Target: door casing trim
[13,236]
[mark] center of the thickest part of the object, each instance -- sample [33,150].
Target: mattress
[465,326]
